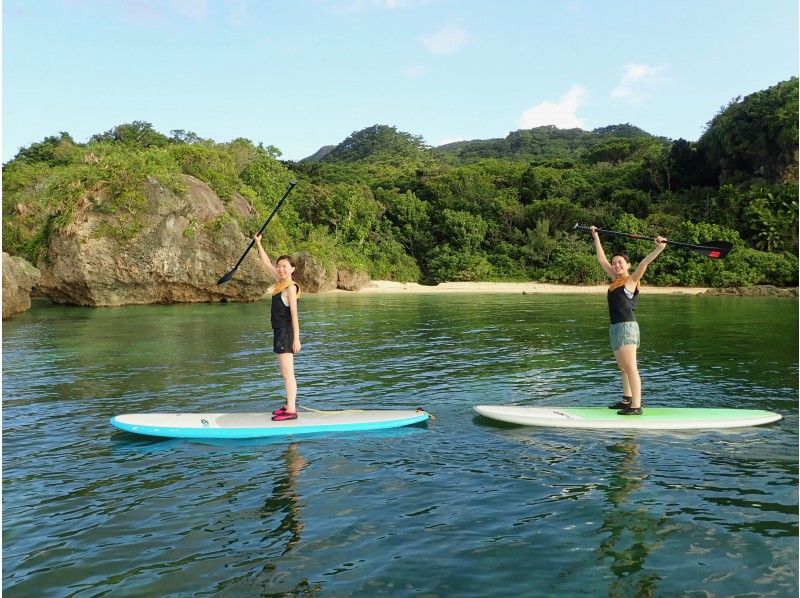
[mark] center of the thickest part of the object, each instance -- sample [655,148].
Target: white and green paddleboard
[260,425]
[652,418]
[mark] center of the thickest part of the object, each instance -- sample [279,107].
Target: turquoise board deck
[260,425]
[653,418]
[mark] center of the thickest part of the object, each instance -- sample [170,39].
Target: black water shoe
[630,411]
[625,402]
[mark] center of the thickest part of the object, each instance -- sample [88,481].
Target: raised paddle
[230,274]
[715,250]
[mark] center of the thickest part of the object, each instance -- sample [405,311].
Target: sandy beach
[529,288]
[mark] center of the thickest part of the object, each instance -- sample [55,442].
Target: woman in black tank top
[285,325]
[623,297]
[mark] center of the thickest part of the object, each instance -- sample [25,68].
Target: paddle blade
[227,277]
[715,250]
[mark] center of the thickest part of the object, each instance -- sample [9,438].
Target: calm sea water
[456,507]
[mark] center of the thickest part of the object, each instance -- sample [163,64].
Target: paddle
[230,274]
[715,250]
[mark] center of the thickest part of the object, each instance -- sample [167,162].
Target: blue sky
[300,74]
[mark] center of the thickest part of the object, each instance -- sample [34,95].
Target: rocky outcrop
[313,275]
[182,247]
[316,276]
[19,277]
[351,280]
[754,291]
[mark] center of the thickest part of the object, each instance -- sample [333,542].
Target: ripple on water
[452,507]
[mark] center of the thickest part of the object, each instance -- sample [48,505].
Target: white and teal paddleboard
[260,425]
[652,418]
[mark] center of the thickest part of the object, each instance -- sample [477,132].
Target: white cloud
[358,6]
[237,15]
[562,115]
[157,12]
[392,4]
[447,140]
[416,71]
[637,81]
[447,40]
[141,11]
[196,10]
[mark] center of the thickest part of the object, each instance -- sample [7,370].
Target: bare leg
[626,385]
[286,363]
[631,382]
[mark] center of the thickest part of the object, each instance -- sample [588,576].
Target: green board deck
[653,418]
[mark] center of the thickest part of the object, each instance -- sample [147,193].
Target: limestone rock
[19,277]
[351,280]
[313,275]
[182,247]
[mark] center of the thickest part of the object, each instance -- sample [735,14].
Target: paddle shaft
[261,230]
[720,247]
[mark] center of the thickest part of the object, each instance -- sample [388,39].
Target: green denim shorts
[623,333]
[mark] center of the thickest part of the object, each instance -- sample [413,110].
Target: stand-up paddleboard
[652,418]
[260,425]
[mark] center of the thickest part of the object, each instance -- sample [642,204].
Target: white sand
[388,286]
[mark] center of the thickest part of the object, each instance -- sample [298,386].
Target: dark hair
[288,258]
[622,255]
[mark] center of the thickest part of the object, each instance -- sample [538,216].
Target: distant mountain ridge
[319,154]
[546,142]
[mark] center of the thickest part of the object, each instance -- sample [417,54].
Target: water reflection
[477,508]
[272,569]
[285,499]
[631,530]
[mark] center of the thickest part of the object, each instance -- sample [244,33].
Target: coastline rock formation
[183,245]
[315,276]
[764,290]
[351,280]
[312,275]
[19,277]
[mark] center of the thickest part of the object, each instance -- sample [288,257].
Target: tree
[408,219]
[772,218]
[530,187]
[375,142]
[138,133]
[632,201]
[56,149]
[755,137]
[181,136]
[689,166]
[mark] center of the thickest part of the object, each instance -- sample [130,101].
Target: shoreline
[525,288]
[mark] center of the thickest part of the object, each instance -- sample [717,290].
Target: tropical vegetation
[385,202]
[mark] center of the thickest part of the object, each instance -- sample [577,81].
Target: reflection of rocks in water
[631,533]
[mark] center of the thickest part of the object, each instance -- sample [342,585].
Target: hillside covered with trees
[384,202]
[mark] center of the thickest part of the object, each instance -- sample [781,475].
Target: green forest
[384,202]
